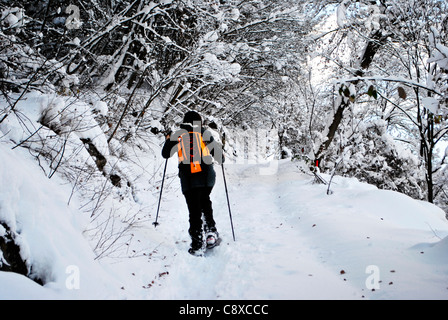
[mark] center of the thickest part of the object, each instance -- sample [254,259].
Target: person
[196,149]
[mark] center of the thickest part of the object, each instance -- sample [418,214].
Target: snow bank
[49,233]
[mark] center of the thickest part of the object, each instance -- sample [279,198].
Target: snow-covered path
[293,241]
[268,260]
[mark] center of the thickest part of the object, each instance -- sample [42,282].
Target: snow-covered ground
[293,241]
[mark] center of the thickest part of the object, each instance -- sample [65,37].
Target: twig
[332,175]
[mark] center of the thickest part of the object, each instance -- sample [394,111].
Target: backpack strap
[192,142]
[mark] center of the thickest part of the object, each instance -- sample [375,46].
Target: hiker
[196,149]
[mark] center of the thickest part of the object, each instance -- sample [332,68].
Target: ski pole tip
[155,224]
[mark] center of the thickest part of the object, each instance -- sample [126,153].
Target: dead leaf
[401,93]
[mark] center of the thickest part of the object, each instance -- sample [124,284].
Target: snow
[293,241]
[13,17]
[218,69]
[48,231]
[235,14]
[440,56]
[101,107]
[431,104]
[211,36]
[341,14]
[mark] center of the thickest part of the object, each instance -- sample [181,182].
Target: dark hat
[192,116]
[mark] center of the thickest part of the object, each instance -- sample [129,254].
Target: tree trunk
[429,156]
[376,41]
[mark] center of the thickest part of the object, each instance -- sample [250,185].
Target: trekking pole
[155,223]
[225,186]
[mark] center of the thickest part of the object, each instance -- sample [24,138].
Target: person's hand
[168,134]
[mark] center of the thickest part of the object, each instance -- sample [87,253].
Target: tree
[395,73]
[373,42]
[415,47]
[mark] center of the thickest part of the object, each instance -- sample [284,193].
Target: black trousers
[199,203]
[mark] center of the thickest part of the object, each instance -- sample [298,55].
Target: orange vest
[197,149]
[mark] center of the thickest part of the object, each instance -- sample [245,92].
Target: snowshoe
[212,239]
[196,252]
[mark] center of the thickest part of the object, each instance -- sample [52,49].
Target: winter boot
[197,245]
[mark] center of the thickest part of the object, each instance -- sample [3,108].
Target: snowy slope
[49,233]
[293,241]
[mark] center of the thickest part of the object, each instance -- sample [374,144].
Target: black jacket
[205,178]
